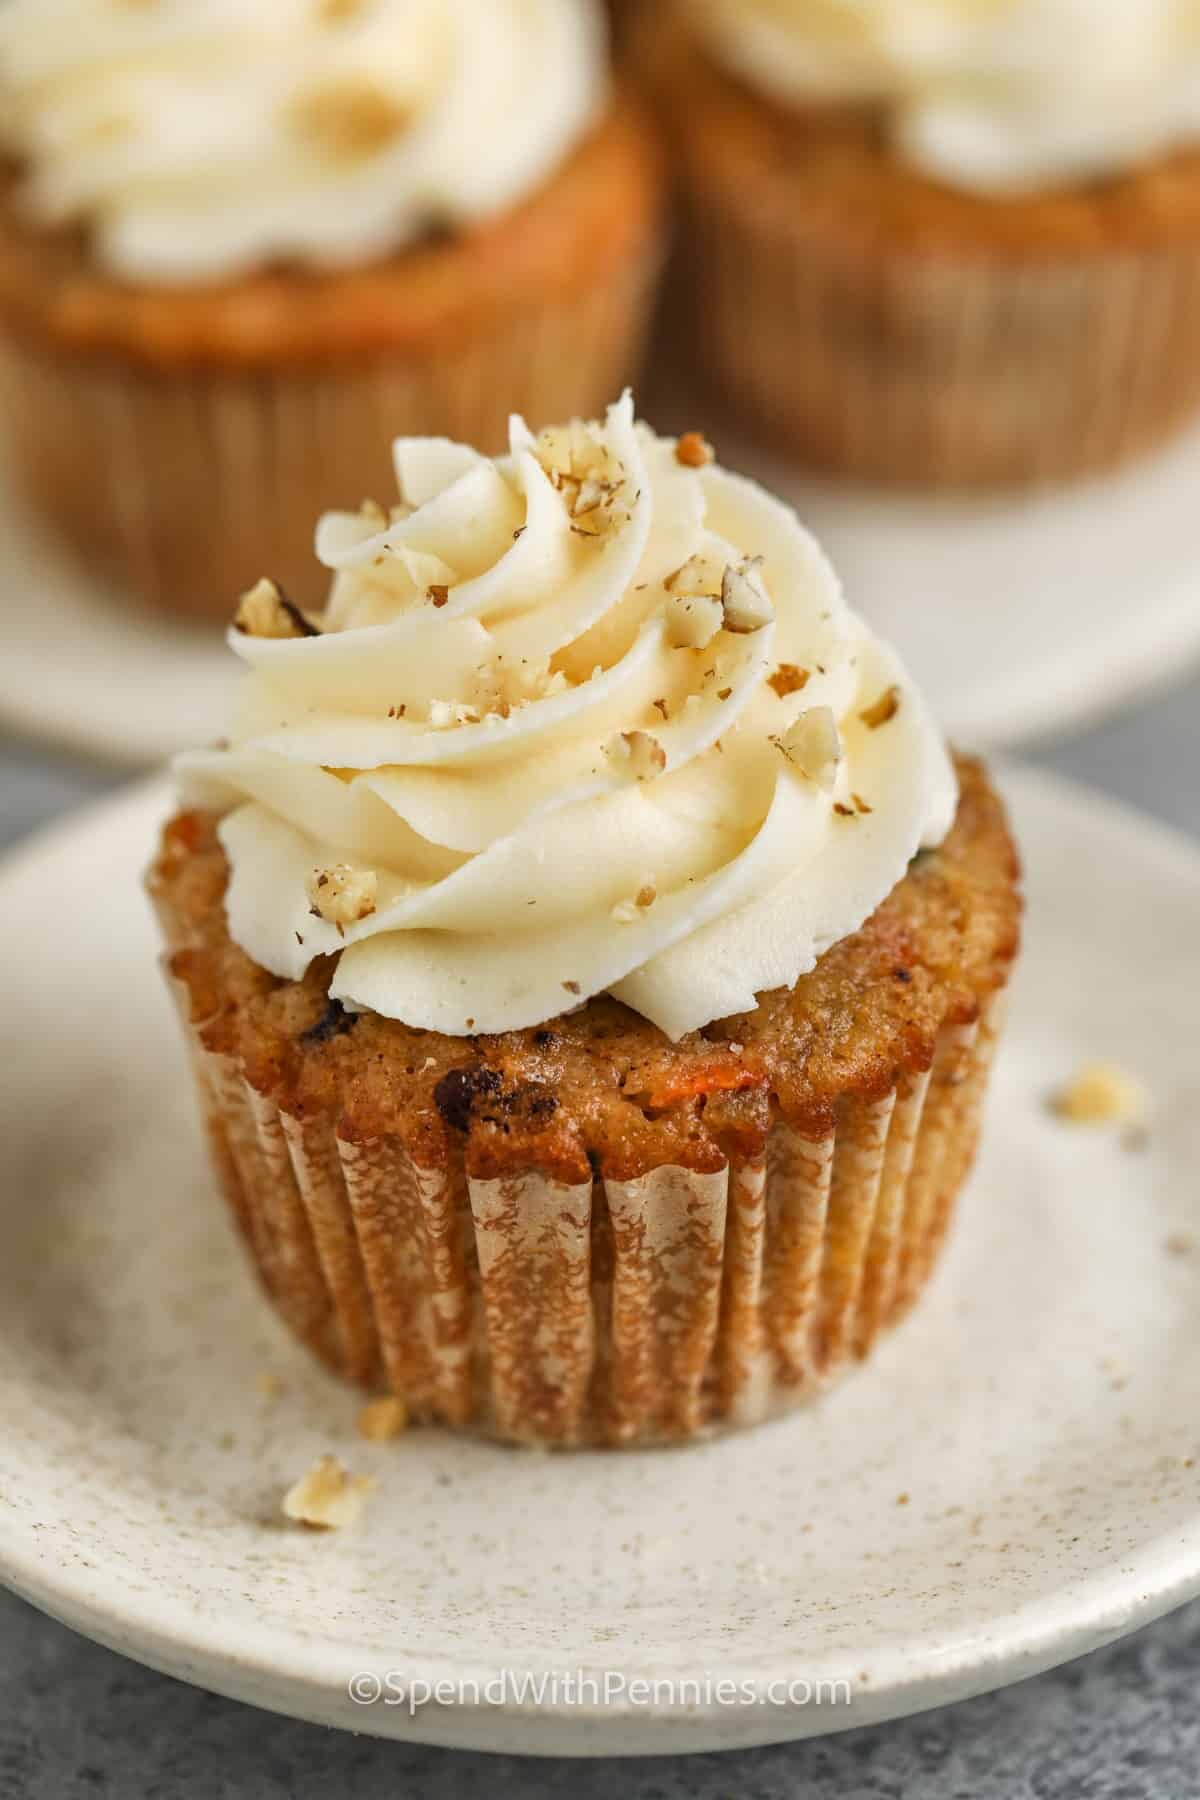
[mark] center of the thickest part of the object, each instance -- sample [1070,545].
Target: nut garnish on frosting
[265,611]
[200,141]
[592,767]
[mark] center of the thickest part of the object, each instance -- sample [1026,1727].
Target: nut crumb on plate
[1101,1093]
[382,1419]
[328,1496]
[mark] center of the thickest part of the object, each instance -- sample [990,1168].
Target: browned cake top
[588,219]
[602,1086]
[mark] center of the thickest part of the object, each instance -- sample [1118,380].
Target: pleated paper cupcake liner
[185,486]
[638,1311]
[887,362]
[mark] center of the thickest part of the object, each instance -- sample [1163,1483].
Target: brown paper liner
[886,366]
[184,486]
[623,17]
[942,344]
[609,1312]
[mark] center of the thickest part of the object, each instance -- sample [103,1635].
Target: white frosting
[995,95]
[196,139]
[548,797]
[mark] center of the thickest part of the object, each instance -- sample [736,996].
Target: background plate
[1021,616]
[1012,1481]
[84,669]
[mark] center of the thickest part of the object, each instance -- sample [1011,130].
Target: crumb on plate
[328,1496]
[382,1419]
[1101,1093]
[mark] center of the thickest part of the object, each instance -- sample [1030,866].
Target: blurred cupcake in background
[942,241]
[624,14]
[240,247]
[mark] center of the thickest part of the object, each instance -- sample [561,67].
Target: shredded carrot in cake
[709,1078]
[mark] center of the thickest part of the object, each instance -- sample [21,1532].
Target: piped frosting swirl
[591,717]
[198,139]
[998,96]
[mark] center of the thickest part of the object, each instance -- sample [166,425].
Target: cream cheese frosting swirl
[592,717]
[197,139]
[993,95]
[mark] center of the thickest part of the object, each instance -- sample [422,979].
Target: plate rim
[305,1676]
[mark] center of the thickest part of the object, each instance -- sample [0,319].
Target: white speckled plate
[1011,1482]
[1022,616]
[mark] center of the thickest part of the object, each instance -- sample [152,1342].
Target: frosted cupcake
[238,244]
[939,242]
[591,955]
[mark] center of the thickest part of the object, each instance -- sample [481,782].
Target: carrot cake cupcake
[938,242]
[590,953]
[235,240]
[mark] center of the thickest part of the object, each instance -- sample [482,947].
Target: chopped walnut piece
[341,895]
[694,451]
[383,1419]
[881,710]
[328,1497]
[812,745]
[445,713]
[264,611]
[373,513]
[636,755]
[438,592]
[592,493]
[591,480]
[593,508]
[788,679]
[692,620]
[1101,1093]
[860,805]
[698,575]
[349,117]
[572,987]
[626,912]
[744,600]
